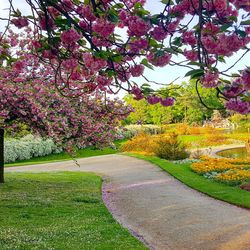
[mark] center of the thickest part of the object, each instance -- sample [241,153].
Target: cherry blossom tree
[70,122]
[28,94]
[82,42]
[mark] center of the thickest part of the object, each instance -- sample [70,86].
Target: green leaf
[177,41]
[146,63]
[225,81]
[153,43]
[221,59]
[235,75]
[113,16]
[247,22]
[233,18]
[117,58]
[241,33]
[195,73]
[224,27]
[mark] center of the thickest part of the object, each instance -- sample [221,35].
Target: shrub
[141,143]
[195,130]
[215,138]
[28,147]
[182,129]
[133,130]
[171,148]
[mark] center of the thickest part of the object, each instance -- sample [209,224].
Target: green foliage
[140,113]
[241,122]
[171,148]
[187,108]
[20,130]
[58,211]
[28,147]
[131,130]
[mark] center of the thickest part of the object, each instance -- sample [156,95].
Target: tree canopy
[82,42]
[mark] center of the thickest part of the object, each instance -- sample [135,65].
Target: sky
[162,75]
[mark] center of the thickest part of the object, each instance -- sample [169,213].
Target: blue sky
[163,75]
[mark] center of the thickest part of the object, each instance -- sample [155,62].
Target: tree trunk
[1,155]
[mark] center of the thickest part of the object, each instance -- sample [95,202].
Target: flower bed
[230,171]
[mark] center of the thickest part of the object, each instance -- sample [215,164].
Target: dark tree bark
[1,155]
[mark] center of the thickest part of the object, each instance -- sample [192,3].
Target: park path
[158,209]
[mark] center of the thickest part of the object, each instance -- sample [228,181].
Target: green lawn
[220,191]
[191,138]
[86,152]
[58,211]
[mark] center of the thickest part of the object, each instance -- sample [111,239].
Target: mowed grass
[191,138]
[82,153]
[183,173]
[58,211]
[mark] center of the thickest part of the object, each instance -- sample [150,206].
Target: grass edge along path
[60,157]
[62,210]
[63,156]
[183,173]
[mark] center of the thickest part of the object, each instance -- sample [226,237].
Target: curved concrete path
[158,209]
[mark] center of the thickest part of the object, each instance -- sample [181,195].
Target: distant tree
[140,112]
[187,108]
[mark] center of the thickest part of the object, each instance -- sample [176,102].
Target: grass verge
[58,211]
[183,173]
[82,153]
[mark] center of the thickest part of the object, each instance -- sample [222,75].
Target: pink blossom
[233,90]
[160,60]
[138,45]
[245,79]
[54,12]
[169,101]
[70,64]
[70,36]
[138,95]
[19,65]
[20,22]
[103,81]
[159,33]
[46,23]
[189,38]
[191,55]
[152,99]
[86,12]
[210,29]
[103,28]
[137,26]
[123,15]
[210,79]
[36,44]
[137,70]
[239,106]
[67,4]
